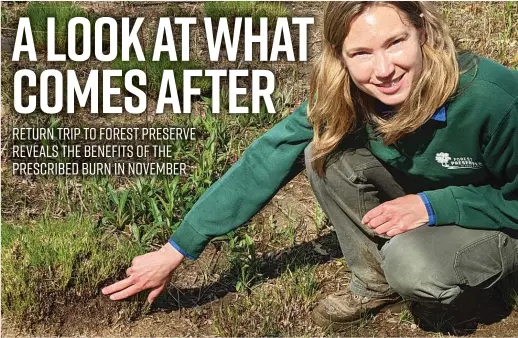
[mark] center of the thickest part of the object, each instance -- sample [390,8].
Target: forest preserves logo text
[457,162]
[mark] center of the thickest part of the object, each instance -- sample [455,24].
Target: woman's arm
[492,206]
[486,207]
[270,162]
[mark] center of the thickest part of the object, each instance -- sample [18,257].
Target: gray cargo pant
[427,264]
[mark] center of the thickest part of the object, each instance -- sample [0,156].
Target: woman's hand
[397,216]
[150,271]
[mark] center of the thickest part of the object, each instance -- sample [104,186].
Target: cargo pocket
[485,261]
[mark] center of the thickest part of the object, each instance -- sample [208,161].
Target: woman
[414,159]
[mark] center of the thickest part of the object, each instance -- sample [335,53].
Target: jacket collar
[439,115]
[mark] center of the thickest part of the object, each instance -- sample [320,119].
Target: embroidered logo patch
[457,162]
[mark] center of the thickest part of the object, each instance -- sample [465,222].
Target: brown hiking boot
[343,309]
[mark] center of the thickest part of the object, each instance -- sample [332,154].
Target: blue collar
[439,115]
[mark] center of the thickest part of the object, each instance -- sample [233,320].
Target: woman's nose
[383,67]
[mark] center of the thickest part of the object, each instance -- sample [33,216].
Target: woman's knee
[416,274]
[338,168]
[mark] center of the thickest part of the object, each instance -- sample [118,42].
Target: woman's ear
[422,32]
[422,37]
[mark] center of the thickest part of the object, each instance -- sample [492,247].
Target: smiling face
[383,54]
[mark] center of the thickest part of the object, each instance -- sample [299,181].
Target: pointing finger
[120,285]
[134,289]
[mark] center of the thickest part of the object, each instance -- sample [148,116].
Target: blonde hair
[336,107]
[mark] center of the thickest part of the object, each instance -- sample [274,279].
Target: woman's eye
[359,54]
[396,42]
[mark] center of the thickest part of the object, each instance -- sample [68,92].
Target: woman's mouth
[392,86]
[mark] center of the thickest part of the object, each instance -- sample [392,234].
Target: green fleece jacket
[466,165]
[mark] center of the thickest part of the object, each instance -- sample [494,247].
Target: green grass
[256,10]
[271,10]
[4,18]
[229,9]
[147,207]
[151,208]
[406,316]
[514,299]
[277,309]
[319,217]
[155,70]
[244,260]
[302,286]
[46,259]
[38,12]
[510,9]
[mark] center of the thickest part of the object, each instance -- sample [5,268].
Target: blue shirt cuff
[429,209]
[180,250]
